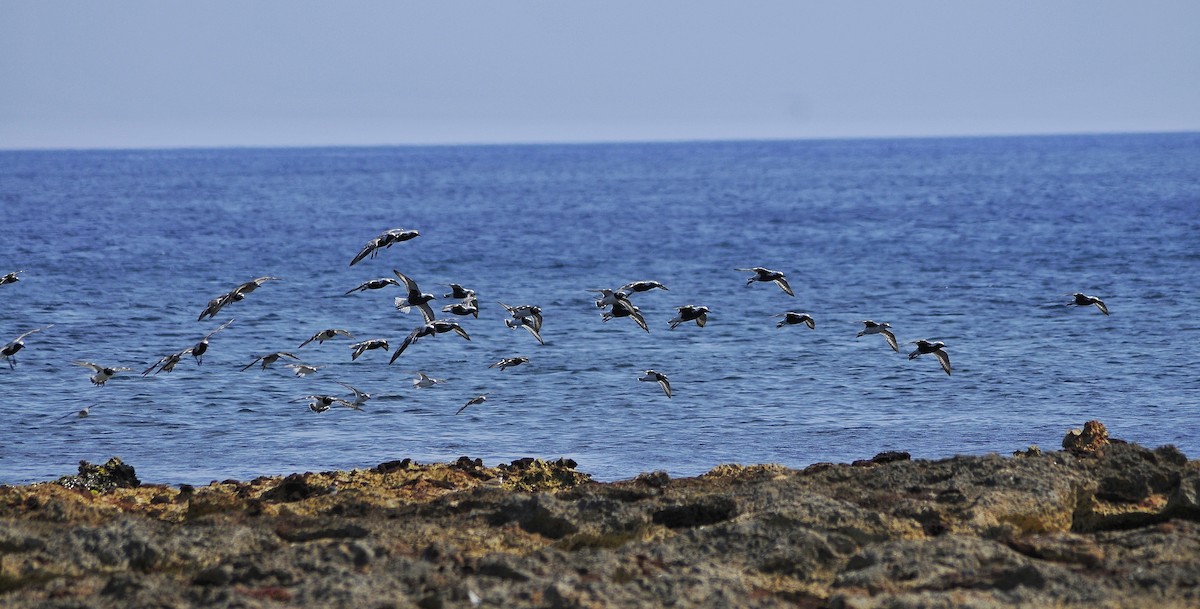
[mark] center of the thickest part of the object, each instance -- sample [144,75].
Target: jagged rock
[112,475]
[1089,440]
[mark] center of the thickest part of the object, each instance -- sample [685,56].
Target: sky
[153,74]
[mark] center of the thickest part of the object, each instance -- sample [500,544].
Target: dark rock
[701,512]
[1129,473]
[300,532]
[112,475]
[388,467]
[293,488]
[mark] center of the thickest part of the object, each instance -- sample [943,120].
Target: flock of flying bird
[613,302]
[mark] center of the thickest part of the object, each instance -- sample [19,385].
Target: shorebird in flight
[9,351]
[937,348]
[360,397]
[166,363]
[215,305]
[1084,300]
[367,345]
[624,308]
[658,377]
[479,399]
[385,239]
[414,298]
[102,373]
[528,324]
[641,286]
[528,314]
[462,309]
[374,284]
[79,414]
[792,318]
[690,313]
[871,327]
[321,403]
[424,381]
[459,292]
[201,347]
[327,334]
[608,297]
[10,278]
[303,369]
[508,362]
[269,359]
[762,274]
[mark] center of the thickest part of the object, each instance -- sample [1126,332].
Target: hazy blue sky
[211,73]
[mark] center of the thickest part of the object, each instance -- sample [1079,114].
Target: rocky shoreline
[1101,523]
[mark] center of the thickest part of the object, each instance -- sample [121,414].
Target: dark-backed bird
[102,373]
[327,334]
[414,297]
[479,399]
[608,297]
[1084,300]
[624,308]
[358,349]
[690,313]
[199,349]
[527,323]
[462,309]
[871,327]
[937,348]
[321,403]
[234,295]
[792,318]
[459,292]
[374,284]
[642,286]
[10,277]
[526,311]
[166,363]
[385,239]
[508,362]
[303,369]
[658,377]
[10,350]
[762,274]
[269,359]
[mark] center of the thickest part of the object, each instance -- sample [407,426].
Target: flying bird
[624,308]
[641,286]
[871,327]
[215,305]
[166,363]
[414,298]
[1084,300]
[523,312]
[424,381]
[327,334]
[269,359]
[303,369]
[9,351]
[374,284]
[367,345]
[762,274]
[10,278]
[459,292]
[385,239]
[509,362]
[462,309]
[360,397]
[528,324]
[201,347]
[608,297]
[479,399]
[791,318]
[937,348]
[690,313]
[658,377]
[321,403]
[102,373]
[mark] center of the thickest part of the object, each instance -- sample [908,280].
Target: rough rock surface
[1118,526]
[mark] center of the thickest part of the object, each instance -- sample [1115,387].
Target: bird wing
[665,384]
[408,282]
[810,322]
[366,250]
[637,317]
[891,340]
[702,319]
[534,332]
[244,368]
[1100,305]
[783,285]
[426,311]
[944,359]
[94,367]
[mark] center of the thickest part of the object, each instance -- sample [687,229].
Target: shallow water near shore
[976,242]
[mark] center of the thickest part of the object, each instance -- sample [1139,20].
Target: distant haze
[221,73]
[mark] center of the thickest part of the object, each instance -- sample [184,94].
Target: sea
[975,242]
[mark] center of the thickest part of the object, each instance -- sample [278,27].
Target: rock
[112,475]
[1089,440]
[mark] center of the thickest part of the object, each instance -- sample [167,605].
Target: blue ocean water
[976,242]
